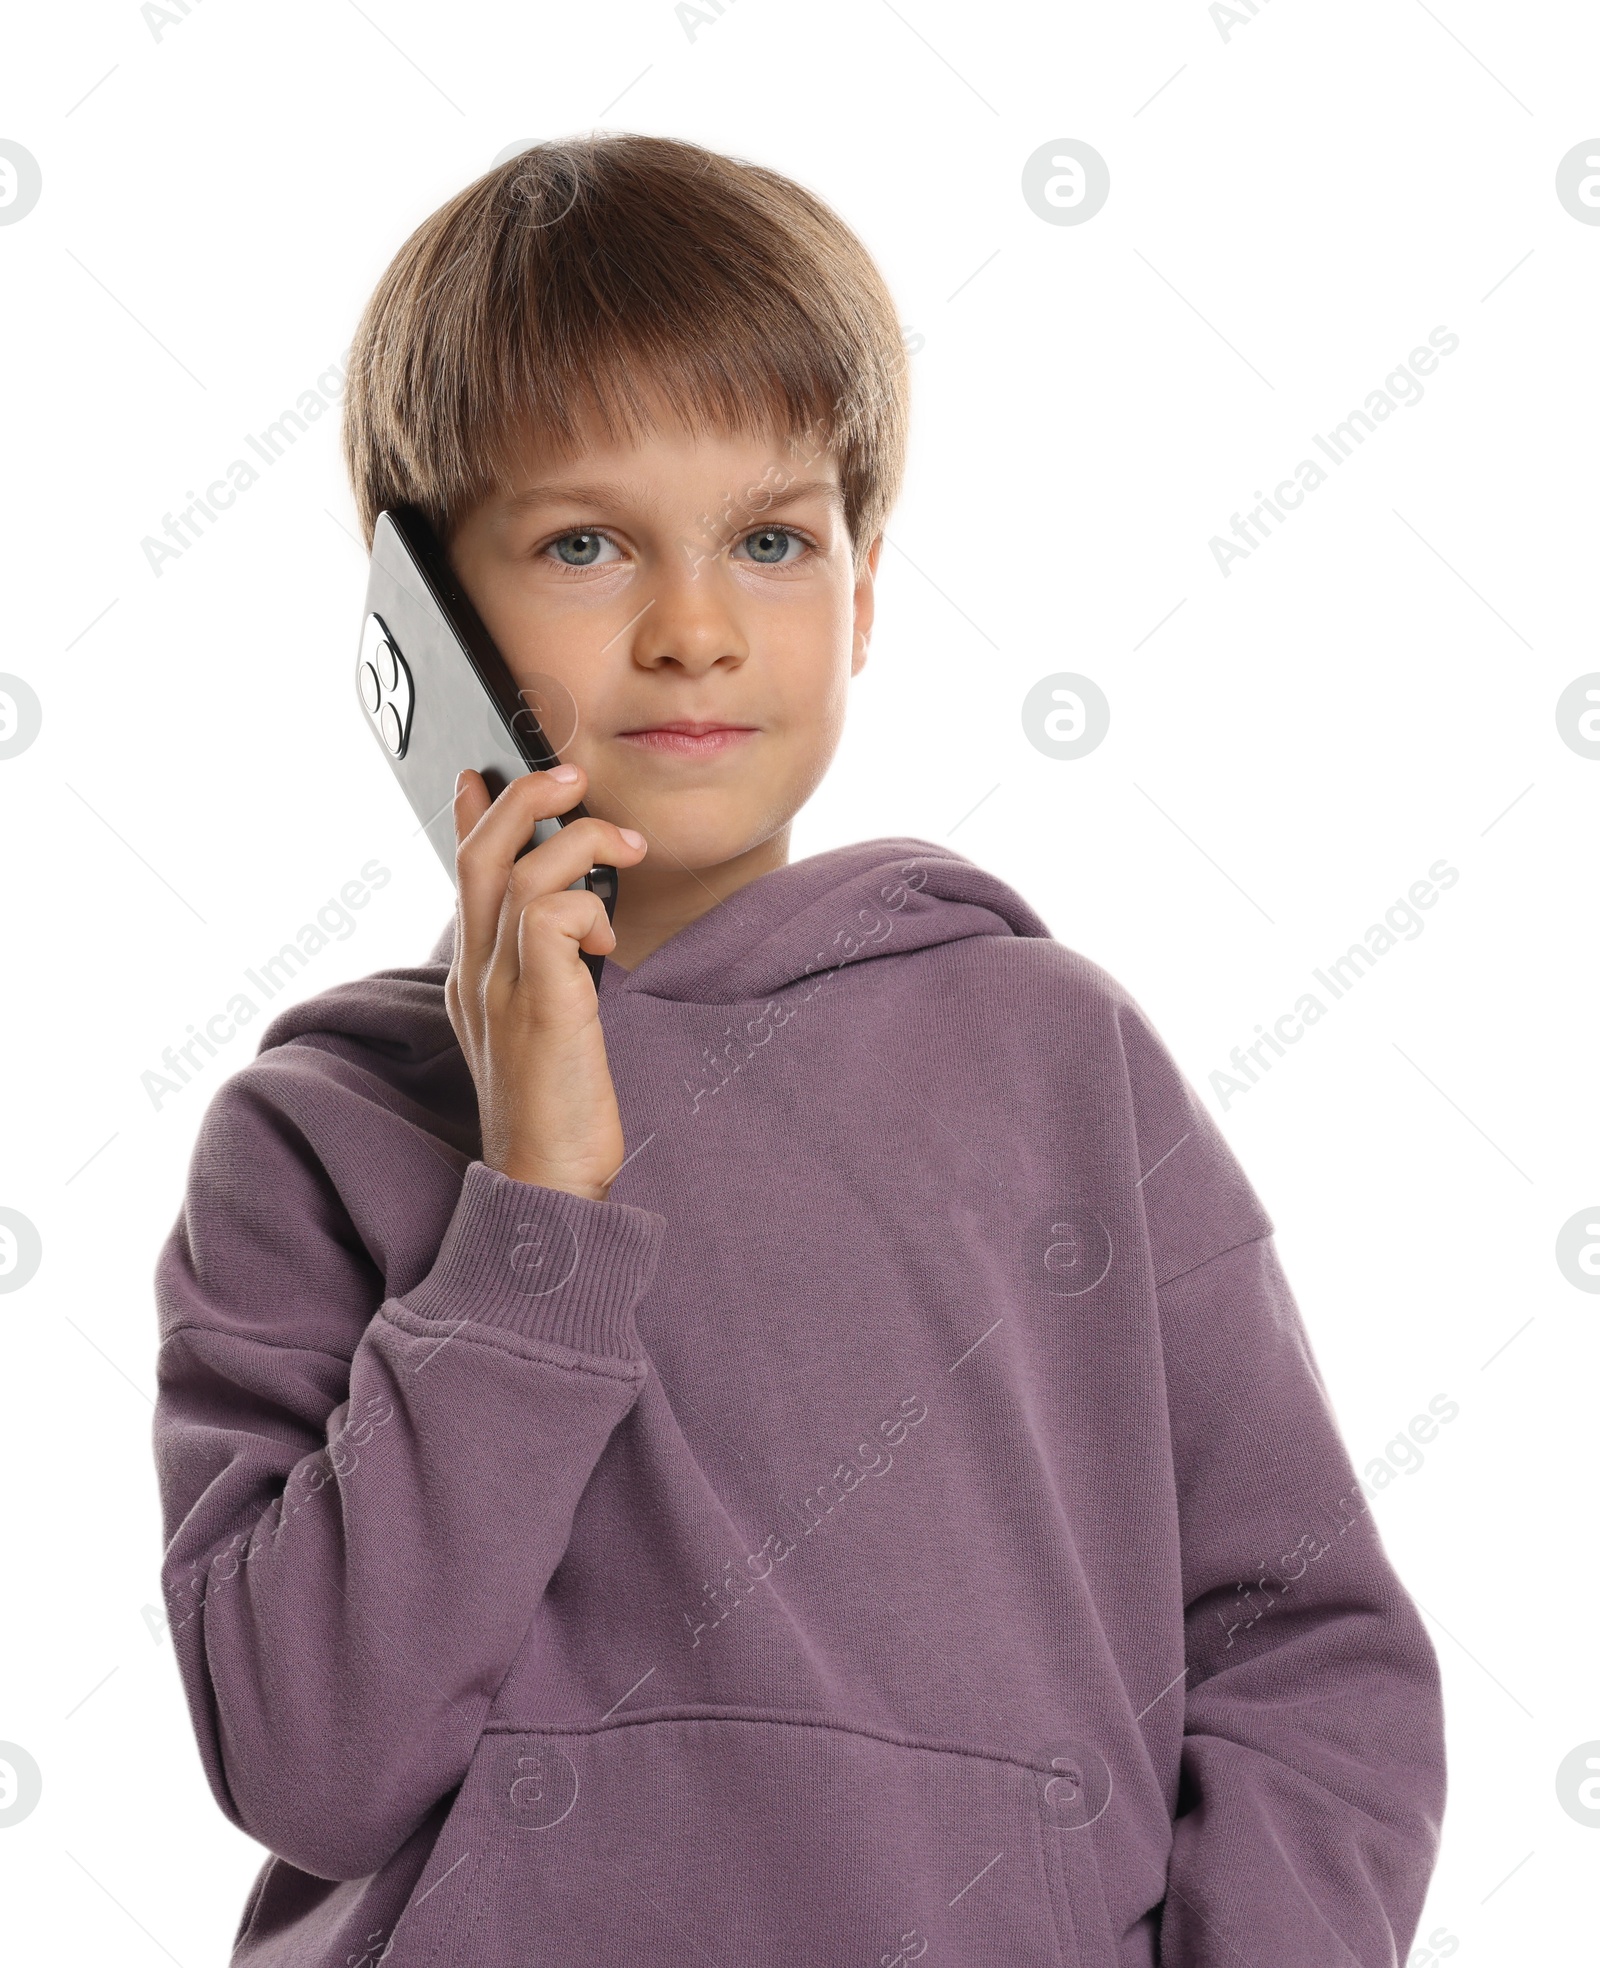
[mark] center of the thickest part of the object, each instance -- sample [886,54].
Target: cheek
[813,650]
[553,663]
[813,736]
[812,691]
[555,693]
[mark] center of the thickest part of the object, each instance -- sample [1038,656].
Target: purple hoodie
[903,1520]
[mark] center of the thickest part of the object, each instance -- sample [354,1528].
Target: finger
[489,832]
[471,802]
[531,796]
[549,870]
[550,933]
[567,856]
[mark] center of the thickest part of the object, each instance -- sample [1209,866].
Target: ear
[864,605]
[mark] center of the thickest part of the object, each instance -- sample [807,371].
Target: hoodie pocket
[736,1838]
[1073,1796]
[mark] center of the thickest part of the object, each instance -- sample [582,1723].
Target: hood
[852,904]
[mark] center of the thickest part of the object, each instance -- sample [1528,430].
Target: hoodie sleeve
[359,1529]
[1312,1774]
[1312,1784]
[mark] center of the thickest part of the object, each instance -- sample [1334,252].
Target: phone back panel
[437,695]
[450,704]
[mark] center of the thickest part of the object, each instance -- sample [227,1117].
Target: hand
[519,994]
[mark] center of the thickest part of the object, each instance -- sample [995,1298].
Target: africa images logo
[1401,923]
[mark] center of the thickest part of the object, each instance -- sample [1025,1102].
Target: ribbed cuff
[544,1263]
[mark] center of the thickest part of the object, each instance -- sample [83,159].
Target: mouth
[689,737]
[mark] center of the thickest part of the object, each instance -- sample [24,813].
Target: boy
[809,1456]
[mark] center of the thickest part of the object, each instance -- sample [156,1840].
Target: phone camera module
[384,683]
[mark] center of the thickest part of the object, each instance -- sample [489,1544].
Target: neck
[655,902]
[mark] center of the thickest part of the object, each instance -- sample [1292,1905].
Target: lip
[689,737]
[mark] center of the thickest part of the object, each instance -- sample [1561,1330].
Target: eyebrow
[562,492]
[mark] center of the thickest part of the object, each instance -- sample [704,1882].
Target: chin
[699,834]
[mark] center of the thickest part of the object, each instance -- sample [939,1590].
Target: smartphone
[438,695]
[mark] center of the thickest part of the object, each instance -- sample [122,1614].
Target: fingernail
[631,837]
[461,780]
[565,773]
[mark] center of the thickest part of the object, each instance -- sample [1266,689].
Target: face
[693,579]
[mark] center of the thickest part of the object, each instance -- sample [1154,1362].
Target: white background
[1293,207]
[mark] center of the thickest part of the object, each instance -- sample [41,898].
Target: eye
[579,549]
[770,546]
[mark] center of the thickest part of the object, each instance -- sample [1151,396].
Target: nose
[691,620]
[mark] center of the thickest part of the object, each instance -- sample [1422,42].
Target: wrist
[544,1175]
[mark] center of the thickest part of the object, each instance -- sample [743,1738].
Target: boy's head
[654,401]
